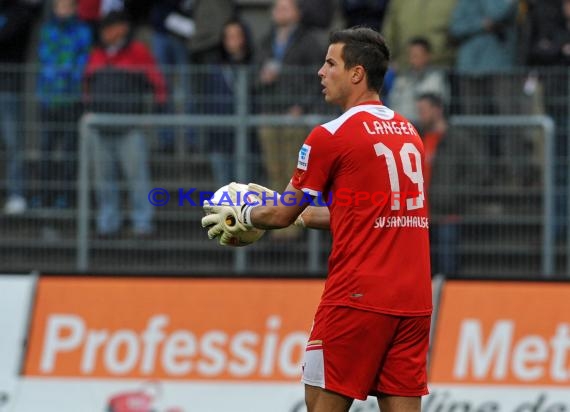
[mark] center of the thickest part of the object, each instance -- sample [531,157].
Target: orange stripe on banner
[171,328]
[503,333]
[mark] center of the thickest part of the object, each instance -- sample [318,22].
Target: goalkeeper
[371,330]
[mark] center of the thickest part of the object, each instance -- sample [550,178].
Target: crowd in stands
[449,56]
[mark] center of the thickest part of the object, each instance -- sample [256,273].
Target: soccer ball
[222,197]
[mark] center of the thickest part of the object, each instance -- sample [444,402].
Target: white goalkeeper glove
[228,221]
[230,193]
[231,219]
[267,196]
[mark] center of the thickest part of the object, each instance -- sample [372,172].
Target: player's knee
[311,397]
[322,400]
[389,403]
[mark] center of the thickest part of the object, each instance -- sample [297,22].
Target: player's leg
[345,351]
[389,403]
[321,400]
[402,380]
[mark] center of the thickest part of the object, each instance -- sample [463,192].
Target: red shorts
[357,353]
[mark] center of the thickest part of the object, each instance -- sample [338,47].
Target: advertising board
[167,344]
[501,346]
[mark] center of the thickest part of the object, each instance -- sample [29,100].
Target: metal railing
[548,184]
[314,244]
[241,123]
[508,228]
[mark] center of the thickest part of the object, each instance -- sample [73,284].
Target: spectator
[120,72]
[418,79]
[237,44]
[185,32]
[550,46]
[550,33]
[546,27]
[450,168]
[406,19]
[91,11]
[63,49]
[485,31]
[286,55]
[173,26]
[388,86]
[210,17]
[368,13]
[236,52]
[317,14]
[16,17]
[108,6]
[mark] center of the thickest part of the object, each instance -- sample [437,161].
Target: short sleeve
[316,160]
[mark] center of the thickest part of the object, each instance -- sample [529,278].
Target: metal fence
[509,214]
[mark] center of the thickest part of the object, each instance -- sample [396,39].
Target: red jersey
[367,165]
[135,56]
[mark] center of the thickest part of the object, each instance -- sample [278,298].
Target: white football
[222,197]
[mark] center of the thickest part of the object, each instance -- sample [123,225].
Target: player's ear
[357,74]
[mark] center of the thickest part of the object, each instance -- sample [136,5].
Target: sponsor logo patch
[304,153]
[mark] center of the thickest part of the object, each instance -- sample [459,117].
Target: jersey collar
[368,102]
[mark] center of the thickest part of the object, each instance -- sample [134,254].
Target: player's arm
[281,214]
[270,210]
[315,217]
[316,159]
[312,217]
[284,212]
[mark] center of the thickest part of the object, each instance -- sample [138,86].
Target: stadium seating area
[508,217]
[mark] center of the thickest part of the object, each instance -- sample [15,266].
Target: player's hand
[224,220]
[265,194]
[232,193]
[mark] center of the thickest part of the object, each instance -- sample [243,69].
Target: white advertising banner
[485,398]
[15,299]
[73,395]
[76,395]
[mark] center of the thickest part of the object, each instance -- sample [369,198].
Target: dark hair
[248,57]
[364,47]
[421,41]
[434,99]
[114,17]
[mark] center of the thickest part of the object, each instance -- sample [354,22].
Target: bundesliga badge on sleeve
[222,211]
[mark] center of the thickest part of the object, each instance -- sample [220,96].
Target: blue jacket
[481,51]
[63,51]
